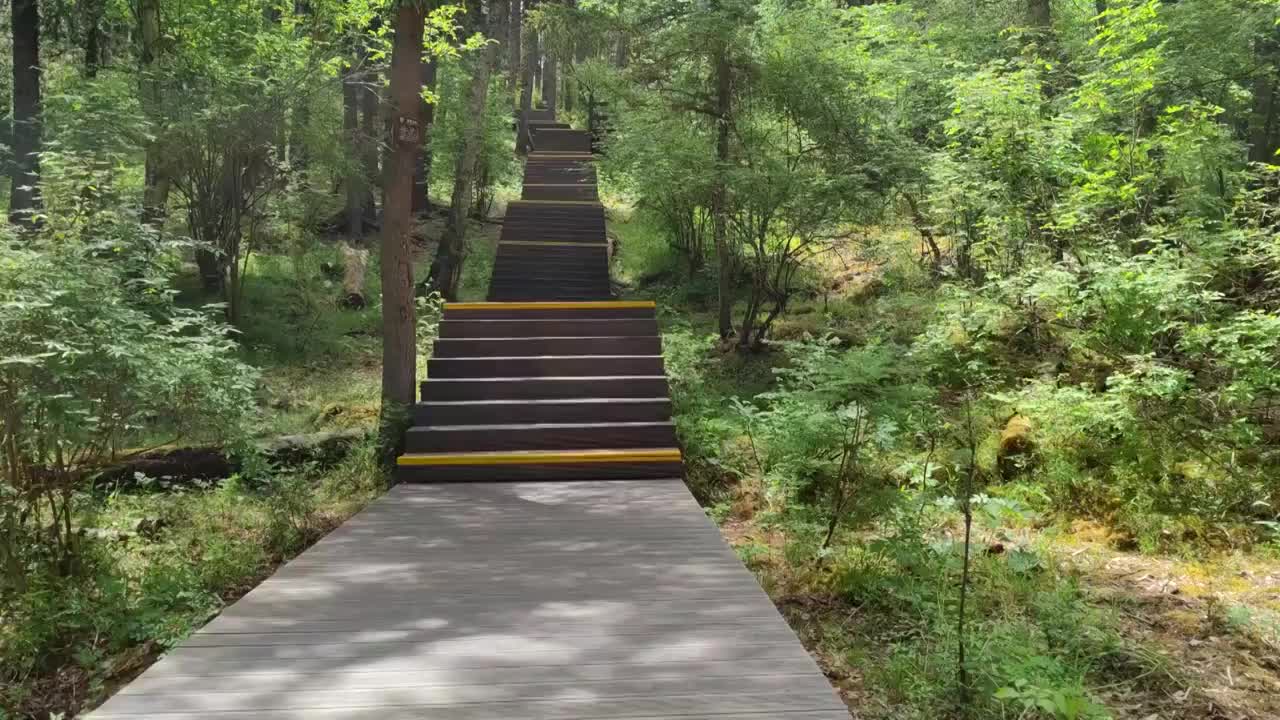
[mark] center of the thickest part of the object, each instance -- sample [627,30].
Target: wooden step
[535,346]
[563,140]
[507,294]
[550,311]
[543,388]
[546,328]
[559,192]
[593,249]
[580,410]
[540,436]
[533,275]
[612,464]
[591,267]
[545,366]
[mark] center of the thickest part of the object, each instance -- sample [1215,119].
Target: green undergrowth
[913,384]
[163,560]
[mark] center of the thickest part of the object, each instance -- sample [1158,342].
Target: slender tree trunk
[453,249]
[399,349]
[24,193]
[528,70]
[422,169]
[371,86]
[156,183]
[355,181]
[550,80]
[354,257]
[514,58]
[719,194]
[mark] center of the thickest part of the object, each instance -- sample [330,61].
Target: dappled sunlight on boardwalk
[509,600]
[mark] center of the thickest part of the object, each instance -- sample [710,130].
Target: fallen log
[187,465]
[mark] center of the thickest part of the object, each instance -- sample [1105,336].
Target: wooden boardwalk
[499,601]
[541,558]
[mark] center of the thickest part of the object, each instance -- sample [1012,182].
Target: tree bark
[399,347]
[528,70]
[355,180]
[370,132]
[1040,15]
[452,251]
[156,183]
[550,80]
[1263,130]
[24,193]
[719,194]
[93,10]
[514,58]
[422,170]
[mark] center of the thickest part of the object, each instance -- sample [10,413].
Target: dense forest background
[972,311]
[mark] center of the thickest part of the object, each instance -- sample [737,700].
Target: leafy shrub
[96,358]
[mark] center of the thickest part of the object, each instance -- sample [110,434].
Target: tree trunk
[24,193]
[1263,130]
[370,132]
[355,181]
[355,261]
[719,194]
[93,10]
[528,70]
[550,80]
[1040,15]
[452,251]
[156,183]
[514,58]
[422,169]
[399,348]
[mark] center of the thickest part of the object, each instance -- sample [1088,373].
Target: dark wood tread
[540,388]
[540,436]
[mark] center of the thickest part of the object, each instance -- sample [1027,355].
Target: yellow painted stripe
[554,243]
[581,185]
[553,305]
[566,457]
[552,155]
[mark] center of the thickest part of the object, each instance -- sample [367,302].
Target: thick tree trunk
[422,169]
[719,195]
[514,58]
[452,252]
[1264,126]
[355,262]
[24,193]
[1040,15]
[399,347]
[93,10]
[156,183]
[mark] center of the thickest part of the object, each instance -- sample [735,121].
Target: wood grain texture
[540,601]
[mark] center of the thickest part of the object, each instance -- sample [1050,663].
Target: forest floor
[1207,627]
[1186,631]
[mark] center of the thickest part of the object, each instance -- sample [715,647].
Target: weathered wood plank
[543,601]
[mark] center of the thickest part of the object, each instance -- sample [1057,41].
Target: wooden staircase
[552,379]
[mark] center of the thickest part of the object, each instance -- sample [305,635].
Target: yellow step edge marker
[540,457]
[554,305]
[581,185]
